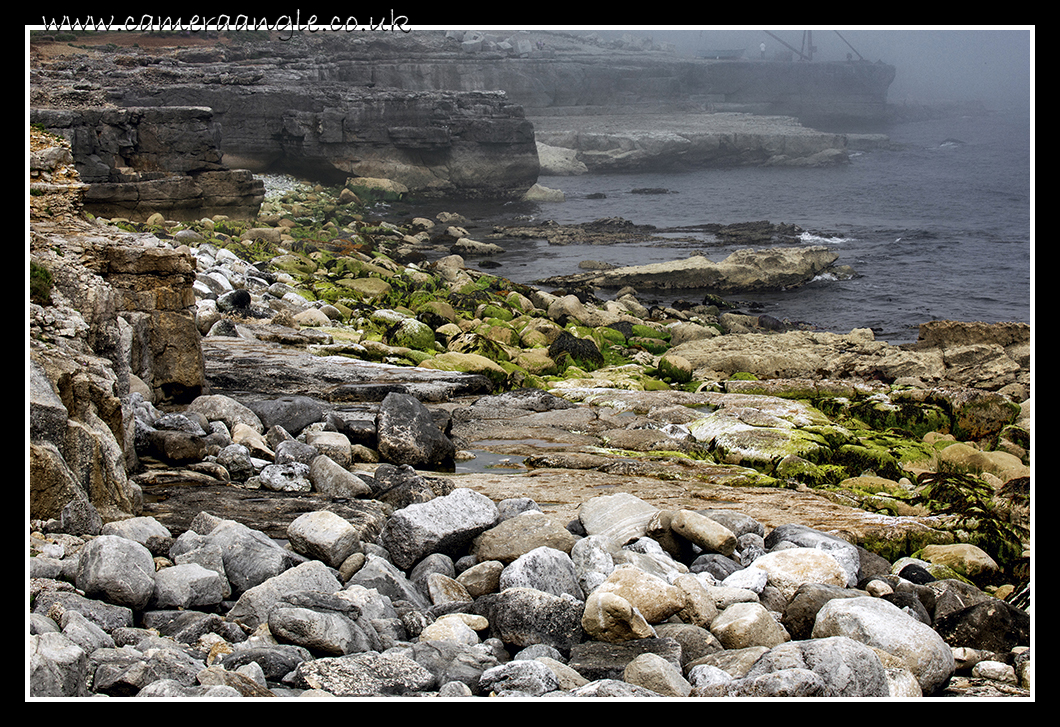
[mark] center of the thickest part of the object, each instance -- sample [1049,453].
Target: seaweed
[969,502]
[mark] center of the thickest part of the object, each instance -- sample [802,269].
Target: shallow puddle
[491,462]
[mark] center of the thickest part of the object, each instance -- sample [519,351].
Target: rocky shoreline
[292,458]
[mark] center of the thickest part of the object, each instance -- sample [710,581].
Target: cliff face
[282,107]
[558,74]
[813,92]
[443,113]
[138,161]
[466,145]
[115,317]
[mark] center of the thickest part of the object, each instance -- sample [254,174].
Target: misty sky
[991,65]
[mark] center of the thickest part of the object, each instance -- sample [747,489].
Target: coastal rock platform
[664,141]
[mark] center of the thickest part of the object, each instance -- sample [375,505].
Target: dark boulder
[408,434]
[582,352]
[293,413]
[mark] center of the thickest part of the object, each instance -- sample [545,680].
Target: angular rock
[293,413]
[383,576]
[325,536]
[330,478]
[408,435]
[516,536]
[252,608]
[545,569]
[526,616]
[118,570]
[365,675]
[592,562]
[290,477]
[188,586]
[250,556]
[320,631]
[523,677]
[445,524]
[847,667]
[653,672]
[58,667]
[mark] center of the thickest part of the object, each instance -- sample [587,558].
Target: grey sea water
[939,227]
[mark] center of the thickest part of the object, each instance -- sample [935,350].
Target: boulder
[445,524]
[117,570]
[525,616]
[325,536]
[407,433]
[882,625]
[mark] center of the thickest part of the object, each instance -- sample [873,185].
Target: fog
[991,65]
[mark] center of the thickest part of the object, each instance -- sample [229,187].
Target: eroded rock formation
[139,161]
[111,315]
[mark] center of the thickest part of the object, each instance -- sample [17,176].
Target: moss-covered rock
[351,267]
[639,330]
[295,264]
[536,361]
[883,412]
[434,313]
[368,289]
[411,333]
[581,352]
[519,302]
[469,363]
[654,346]
[795,468]
[479,345]
[652,384]
[40,284]
[865,457]
[497,330]
[675,368]
[539,332]
[976,414]
[495,311]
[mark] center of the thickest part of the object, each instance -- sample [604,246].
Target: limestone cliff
[275,106]
[110,315]
[455,113]
[135,162]
[461,145]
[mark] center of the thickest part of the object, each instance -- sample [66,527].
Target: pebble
[224,610]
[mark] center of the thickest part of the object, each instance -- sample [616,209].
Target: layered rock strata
[469,145]
[620,142]
[114,317]
[776,268]
[141,161]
